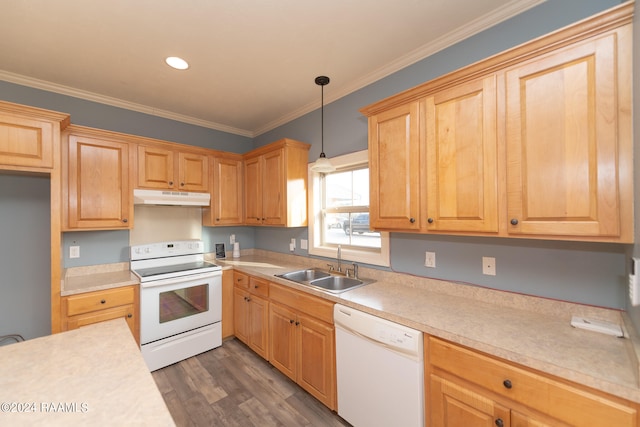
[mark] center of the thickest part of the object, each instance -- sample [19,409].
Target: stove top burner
[177,268]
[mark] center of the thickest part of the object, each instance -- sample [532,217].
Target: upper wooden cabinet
[394,168]
[535,142]
[29,136]
[96,189]
[461,158]
[275,184]
[565,175]
[226,191]
[167,168]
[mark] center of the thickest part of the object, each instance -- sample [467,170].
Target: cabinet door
[282,336]
[461,162]
[562,164]
[240,315]
[258,321]
[273,187]
[25,141]
[316,359]
[253,191]
[394,162]
[226,200]
[155,168]
[455,405]
[98,184]
[193,171]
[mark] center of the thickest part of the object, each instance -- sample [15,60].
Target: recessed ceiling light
[177,63]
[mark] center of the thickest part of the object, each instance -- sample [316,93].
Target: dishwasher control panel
[392,335]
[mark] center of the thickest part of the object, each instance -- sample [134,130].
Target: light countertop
[90,376]
[531,331]
[78,280]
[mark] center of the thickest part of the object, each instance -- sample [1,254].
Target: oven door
[172,306]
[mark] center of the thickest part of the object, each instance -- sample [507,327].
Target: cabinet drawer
[566,403]
[240,280]
[308,304]
[259,287]
[92,301]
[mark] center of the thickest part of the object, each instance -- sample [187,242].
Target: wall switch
[634,282]
[488,266]
[74,251]
[304,244]
[430,259]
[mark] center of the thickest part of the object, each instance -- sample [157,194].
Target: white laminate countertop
[92,376]
[531,331]
[91,278]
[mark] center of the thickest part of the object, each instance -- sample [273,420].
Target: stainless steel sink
[316,278]
[304,275]
[337,283]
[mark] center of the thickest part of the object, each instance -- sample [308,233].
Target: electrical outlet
[232,239]
[304,244]
[488,266]
[74,251]
[430,259]
[292,245]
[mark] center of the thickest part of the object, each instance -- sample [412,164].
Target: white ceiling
[253,62]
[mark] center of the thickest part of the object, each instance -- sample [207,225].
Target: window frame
[349,253]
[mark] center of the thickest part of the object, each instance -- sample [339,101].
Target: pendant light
[322,165]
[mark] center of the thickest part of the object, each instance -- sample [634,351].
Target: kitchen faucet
[339,259]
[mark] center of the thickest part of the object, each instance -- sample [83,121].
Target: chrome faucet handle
[331,267]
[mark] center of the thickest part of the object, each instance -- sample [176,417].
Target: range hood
[170,198]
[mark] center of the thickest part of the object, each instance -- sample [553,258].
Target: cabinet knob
[507,383]
[102,301]
[291,321]
[170,182]
[412,220]
[182,184]
[256,286]
[125,220]
[297,323]
[129,315]
[499,422]
[217,219]
[248,299]
[430,220]
[514,221]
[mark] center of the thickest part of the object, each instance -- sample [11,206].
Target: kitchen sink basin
[336,283]
[316,278]
[304,275]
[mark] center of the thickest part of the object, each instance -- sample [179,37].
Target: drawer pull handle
[412,220]
[102,301]
[499,422]
[507,383]
[514,221]
[430,220]
[129,315]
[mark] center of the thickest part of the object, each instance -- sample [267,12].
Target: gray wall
[581,272]
[25,254]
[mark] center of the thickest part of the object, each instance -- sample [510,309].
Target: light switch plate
[74,251]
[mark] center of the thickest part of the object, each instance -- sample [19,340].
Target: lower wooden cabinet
[92,307]
[251,312]
[302,341]
[472,389]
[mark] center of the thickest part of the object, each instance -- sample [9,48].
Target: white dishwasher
[380,370]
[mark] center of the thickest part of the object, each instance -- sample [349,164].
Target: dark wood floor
[232,386]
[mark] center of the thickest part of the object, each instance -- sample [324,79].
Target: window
[339,213]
